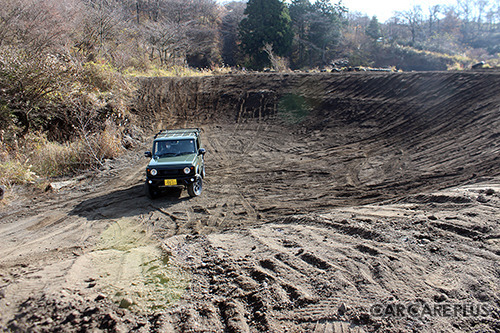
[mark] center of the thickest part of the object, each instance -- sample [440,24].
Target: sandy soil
[301,228]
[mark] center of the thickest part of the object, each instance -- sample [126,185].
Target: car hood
[173,160]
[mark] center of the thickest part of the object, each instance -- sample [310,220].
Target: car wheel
[194,189]
[151,191]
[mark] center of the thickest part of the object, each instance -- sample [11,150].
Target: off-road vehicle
[177,160]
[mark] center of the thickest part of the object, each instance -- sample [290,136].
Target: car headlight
[187,170]
[153,172]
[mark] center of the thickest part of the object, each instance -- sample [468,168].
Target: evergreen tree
[317,30]
[300,13]
[325,30]
[267,22]
[373,29]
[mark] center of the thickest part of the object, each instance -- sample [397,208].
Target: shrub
[96,147]
[36,156]
[52,159]
[14,172]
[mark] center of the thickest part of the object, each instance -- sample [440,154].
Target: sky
[384,9]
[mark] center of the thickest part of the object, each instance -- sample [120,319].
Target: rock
[482,199]
[2,191]
[56,186]
[109,322]
[342,309]
[489,191]
[425,241]
[126,303]
[73,317]
[440,298]
[483,297]
[478,65]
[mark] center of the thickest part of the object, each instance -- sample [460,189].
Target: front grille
[171,172]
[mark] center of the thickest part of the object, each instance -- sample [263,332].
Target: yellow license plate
[170,182]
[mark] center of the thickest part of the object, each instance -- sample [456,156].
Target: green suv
[177,160]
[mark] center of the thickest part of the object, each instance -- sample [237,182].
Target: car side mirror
[148,154]
[201,151]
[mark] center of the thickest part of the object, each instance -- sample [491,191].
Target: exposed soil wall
[435,115]
[395,103]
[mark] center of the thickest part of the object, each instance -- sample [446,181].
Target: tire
[151,192]
[194,189]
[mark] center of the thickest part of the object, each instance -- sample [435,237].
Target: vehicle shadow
[126,202]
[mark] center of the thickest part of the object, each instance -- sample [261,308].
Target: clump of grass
[53,159]
[293,108]
[14,172]
[96,147]
[176,71]
[38,157]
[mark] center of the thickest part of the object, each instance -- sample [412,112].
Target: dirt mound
[331,201]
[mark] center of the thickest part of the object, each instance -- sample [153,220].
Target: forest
[67,66]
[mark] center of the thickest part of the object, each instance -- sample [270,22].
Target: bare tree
[278,63]
[183,31]
[413,19]
[168,42]
[34,25]
[34,62]
[100,26]
[234,13]
[434,12]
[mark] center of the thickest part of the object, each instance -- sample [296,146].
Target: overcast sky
[384,9]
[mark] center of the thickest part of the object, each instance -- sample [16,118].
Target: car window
[174,147]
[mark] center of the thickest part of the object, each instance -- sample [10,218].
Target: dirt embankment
[396,132]
[326,195]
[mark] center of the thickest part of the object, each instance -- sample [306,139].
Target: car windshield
[173,147]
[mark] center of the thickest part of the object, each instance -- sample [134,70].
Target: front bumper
[166,182]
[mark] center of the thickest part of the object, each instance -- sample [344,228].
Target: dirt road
[310,225]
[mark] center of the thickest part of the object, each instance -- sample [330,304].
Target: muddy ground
[332,203]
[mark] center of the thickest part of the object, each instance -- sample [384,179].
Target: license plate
[170,182]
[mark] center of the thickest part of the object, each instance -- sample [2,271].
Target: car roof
[176,138]
[178,134]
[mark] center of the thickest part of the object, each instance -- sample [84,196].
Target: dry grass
[96,147]
[176,71]
[38,157]
[15,172]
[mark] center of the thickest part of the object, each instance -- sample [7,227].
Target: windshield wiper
[167,154]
